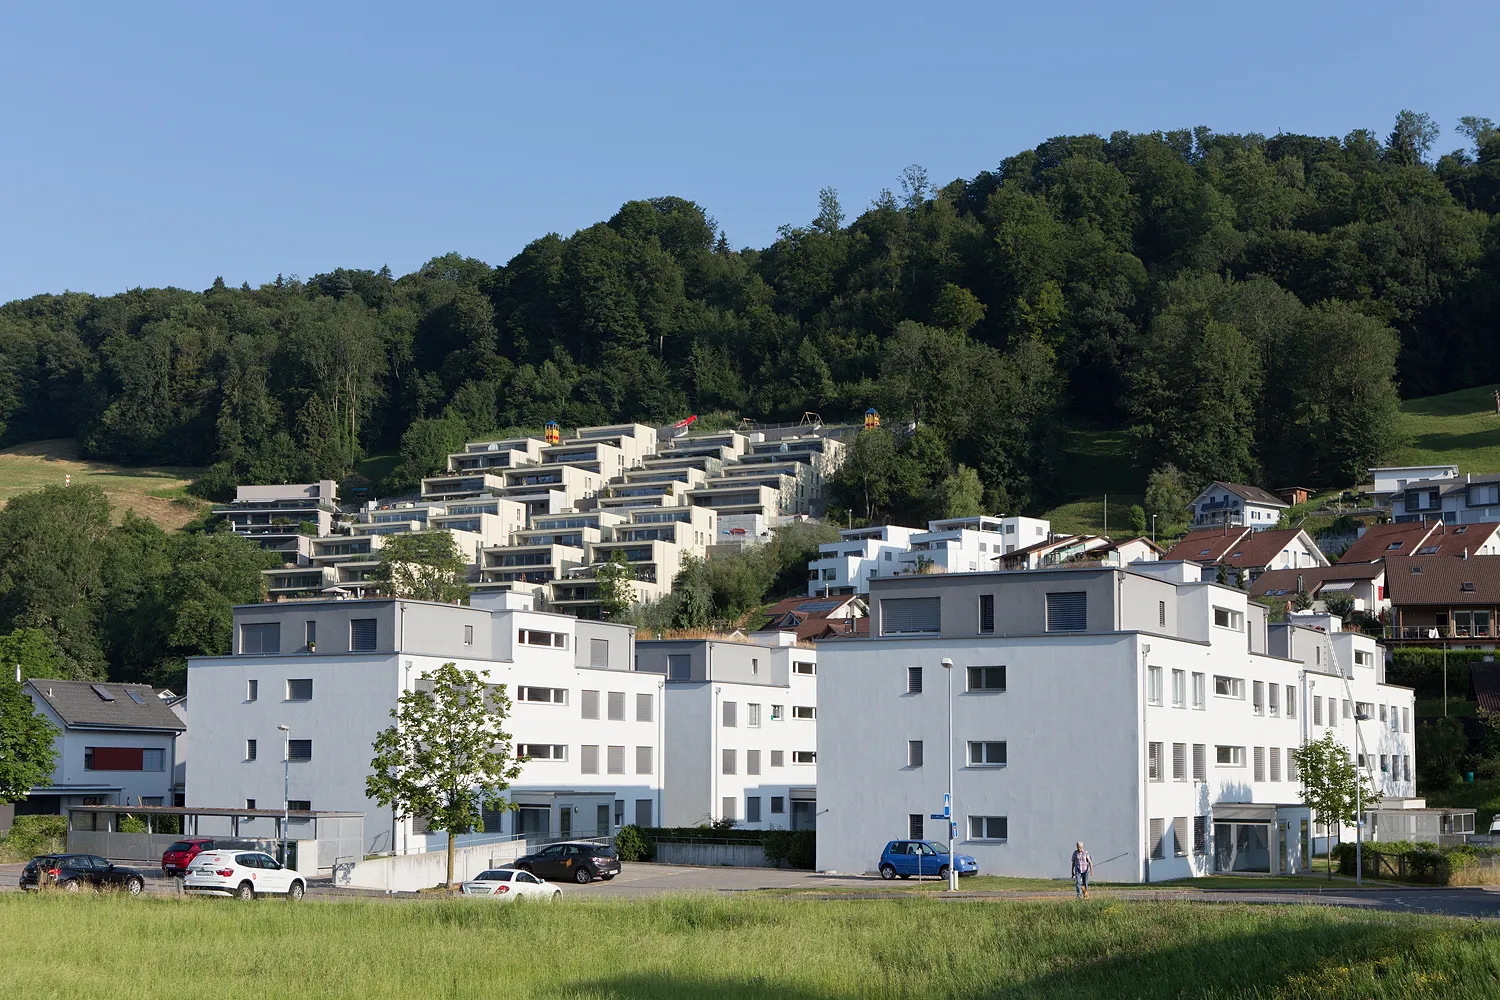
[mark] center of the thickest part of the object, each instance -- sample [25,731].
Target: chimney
[1466,552]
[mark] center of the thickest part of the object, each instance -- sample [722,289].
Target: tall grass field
[726,948]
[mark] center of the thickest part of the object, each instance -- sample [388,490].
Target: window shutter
[986,612]
[591,704]
[728,762]
[598,652]
[752,761]
[361,634]
[729,714]
[778,758]
[1153,761]
[1158,831]
[590,762]
[260,638]
[616,760]
[914,680]
[905,615]
[1200,762]
[642,760]
[643,708]
[1067,612]
[617,706]
[1180,836]
[1179,761]
[1260,763]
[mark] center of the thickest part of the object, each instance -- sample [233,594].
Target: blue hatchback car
[906,858]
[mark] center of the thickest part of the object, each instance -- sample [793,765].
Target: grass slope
[155,493]
[731,948]
[1460,427]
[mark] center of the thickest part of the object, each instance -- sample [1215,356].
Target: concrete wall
[693,853]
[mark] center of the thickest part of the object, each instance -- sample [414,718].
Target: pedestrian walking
[1083,866]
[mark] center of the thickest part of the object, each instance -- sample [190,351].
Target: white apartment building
[845,566]
[1467,500]
[970,544]
[1236,504]
[589,723]
[274,516]
[741,732]
[1144,711]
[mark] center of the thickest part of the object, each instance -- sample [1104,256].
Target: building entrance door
[565,821]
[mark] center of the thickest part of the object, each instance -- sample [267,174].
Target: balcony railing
[1439,632]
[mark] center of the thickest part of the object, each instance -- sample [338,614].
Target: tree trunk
[449,884]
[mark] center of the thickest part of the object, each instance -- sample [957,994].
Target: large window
[557,640]
[910,615]
[679,667]
[1229,756]
[986,678]
[1229,687]
[542,751]
[989,828]
[260,638]
[808,712]
[299,689]
[1225,618]
[362,634]
[987,753]
[299,750]
[804,756]
[588,759]
[547,696]
[1067,611]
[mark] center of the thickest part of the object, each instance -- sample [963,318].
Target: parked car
[921,857]
[509,883]
[77,872]
[1495,826]
[581,863]
[243,875]
[176,859]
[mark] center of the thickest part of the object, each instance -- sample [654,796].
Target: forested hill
[1250,306]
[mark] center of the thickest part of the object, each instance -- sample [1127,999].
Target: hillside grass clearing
[157,493]
[733,947]
[1457,427]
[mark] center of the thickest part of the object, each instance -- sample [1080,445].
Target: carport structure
[326,838]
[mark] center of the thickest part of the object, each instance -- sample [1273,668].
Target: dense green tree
[30,652]
[425,448]
[422,566]
[27,753]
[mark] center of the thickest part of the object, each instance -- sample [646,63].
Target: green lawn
[155,493]
[728,948]
[1459,427]
[1000,883]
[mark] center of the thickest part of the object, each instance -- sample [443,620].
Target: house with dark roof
[1363,582]
[812,617]
[1470,500]
[1236,504]
[1437,599]
[1394,539]
[116,745]
[1247,551]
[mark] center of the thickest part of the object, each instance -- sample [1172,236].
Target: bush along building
[1147,711]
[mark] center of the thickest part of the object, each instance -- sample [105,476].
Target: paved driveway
[653,879]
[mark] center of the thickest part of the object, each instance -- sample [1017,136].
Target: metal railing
[1432,632]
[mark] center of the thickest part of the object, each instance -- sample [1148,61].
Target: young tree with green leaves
[1329,781]
[446,757]
[423,566]
[616,587]
[26,750]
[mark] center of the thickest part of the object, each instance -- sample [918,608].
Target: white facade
[593,724]
[970,544]
[1141,711]
[1219,504]
[845,566]
[741,732]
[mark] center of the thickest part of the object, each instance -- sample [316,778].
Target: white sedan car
[243,875]
[509,883]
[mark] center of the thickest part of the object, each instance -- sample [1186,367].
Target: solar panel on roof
[102,692]
[819,606]
[135,696]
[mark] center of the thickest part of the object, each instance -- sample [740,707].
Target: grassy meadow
[154,493]
[1460,427]
[731,947]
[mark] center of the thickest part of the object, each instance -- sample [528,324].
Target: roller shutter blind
[261,637]
[905,615]
[1067,611]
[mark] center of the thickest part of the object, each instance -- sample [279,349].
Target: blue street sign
[947,805]
[937,816]
[953,829]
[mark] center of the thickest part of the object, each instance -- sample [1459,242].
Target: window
[729,757]
[643,708]
[598,652]
[1180,837]
[1275,763]
[1225,618]
[249,803]
[989,827]
[729,711]
[914,826]
[1179,762]
[752,761]
[728,808]
[752,809]
[260,638]
[616,703]
[310,634]
[1317,705]
[1384,767]
[913,753]
[468,635]
[1274,692]
[588,762]
[1153,761]
[1067,612]
[1361,658]
[808,669]
[910,615]
[252,690]
[804,756]
[1258,697]
[299,750]
[1291,702]
[986,753]
[778,758]
[913,680]
[1382,715]
[590,704]
[542,751]
[804,712]
[250,749]
[752,715]
[1200,762]
[1229,756]
[1200,698]
[778,712]
[1364,710]
[1179,689]
[778,805]
[1153,685]
[679,667]
[547,696]
[614,760]
[1158,839]
[1260,764]
[986,613]
[1229,687]
[1291,766]
[299,805]
[1405,767]
[1395,721]
[299,689]
[361,634]
[986,678]
[1200,834]
[1161,614]
[1406,720]
[643,760]
[532,637]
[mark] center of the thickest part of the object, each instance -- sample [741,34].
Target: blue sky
[159,144]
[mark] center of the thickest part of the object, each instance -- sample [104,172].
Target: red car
[175,860]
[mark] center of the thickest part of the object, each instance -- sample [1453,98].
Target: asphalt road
[638,880]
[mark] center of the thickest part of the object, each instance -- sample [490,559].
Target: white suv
[242,874]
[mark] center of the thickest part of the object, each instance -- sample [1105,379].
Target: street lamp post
[952,809]
[286,786]
[1153,529]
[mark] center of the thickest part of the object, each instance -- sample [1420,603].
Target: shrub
[632,844]
[33,835]
[802,852]
[132,824]
[776,844]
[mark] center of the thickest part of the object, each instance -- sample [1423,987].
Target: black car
[77,872]
[581,863]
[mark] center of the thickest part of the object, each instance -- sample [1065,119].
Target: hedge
[1426,863]
[797,848]
[33,835]
[1423,669]
[692,833]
